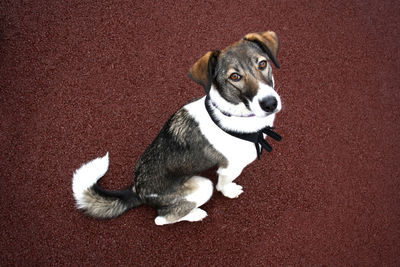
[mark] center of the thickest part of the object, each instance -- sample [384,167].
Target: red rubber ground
[79,79]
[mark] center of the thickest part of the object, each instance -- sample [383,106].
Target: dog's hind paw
[160,220]
[232,190]
[195,215]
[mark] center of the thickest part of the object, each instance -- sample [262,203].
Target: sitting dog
[226,128]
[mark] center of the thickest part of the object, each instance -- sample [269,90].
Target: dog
[226,128]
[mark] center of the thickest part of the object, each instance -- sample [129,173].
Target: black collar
[257,137]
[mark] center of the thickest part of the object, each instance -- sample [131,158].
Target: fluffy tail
[94,200]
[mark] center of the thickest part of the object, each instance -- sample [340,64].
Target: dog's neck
[228,114]
[256,136]
[227,108]
[240,118]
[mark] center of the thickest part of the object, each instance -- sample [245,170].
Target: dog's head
[239,78]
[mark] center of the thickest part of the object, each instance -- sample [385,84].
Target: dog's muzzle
[269,104]
[266,101]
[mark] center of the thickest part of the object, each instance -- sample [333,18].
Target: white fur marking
[194,216]
[86,176]
[235,123]
[224,105]
[232,148]
[231,190]
[159,220]
[239,153]
[204,191]
[264,91]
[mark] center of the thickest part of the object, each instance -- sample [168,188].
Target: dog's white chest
[233,149]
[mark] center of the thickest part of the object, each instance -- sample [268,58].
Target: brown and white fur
[240,83]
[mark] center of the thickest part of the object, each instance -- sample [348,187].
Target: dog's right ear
[268,41]
[202,72]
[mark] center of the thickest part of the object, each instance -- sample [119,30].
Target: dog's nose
[269,103]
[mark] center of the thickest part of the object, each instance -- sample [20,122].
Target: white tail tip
[87,175]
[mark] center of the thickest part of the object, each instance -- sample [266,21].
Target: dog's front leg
[225,181]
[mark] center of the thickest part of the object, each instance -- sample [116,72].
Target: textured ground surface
[80,79]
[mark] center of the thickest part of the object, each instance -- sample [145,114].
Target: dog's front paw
[231,190]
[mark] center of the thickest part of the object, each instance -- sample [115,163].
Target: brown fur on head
[202,71]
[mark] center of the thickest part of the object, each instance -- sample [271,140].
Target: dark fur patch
[179,152]
[103,207]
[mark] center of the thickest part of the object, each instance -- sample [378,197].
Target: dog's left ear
[202,72]
[268,42]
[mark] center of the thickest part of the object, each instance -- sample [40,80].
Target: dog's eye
[262,65]
[235,77]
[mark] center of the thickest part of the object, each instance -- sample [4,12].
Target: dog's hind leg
[184,204]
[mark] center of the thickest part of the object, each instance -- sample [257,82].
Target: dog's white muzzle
[266,101]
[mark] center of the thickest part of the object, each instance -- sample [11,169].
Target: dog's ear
[203,70]
[269,43]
